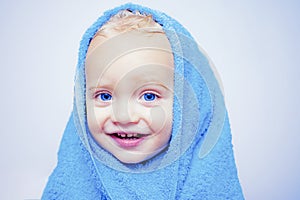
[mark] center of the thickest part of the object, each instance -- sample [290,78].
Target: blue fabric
[199,162]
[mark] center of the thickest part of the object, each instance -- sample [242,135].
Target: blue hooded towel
[199,161]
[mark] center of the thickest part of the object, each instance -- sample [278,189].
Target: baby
[146,103]
[129,98]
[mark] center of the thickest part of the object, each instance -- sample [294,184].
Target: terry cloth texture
[199,162]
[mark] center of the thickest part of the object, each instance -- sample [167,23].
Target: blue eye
[149,97]
[105,96]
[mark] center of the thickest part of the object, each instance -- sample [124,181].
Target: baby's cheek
[91,119]
[95,119]
[161,119]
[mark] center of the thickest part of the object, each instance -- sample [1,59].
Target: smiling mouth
[128,140]
[128,136]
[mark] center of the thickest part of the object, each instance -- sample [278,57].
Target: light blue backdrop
[255,46]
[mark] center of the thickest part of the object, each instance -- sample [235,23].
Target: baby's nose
[123,112]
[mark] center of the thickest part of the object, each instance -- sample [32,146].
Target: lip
[127,143]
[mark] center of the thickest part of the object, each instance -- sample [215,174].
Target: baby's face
[129,95]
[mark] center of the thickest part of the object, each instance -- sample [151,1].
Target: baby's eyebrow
[156,84]
[102,86]
[93,89]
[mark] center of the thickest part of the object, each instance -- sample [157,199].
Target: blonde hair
[126,20]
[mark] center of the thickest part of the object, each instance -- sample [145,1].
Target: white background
[254,44]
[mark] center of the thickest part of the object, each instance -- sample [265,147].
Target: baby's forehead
[130,41]
[122,43]
[129,50]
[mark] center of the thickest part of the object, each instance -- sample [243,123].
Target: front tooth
[123,135]
[135,135]
[129,135]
